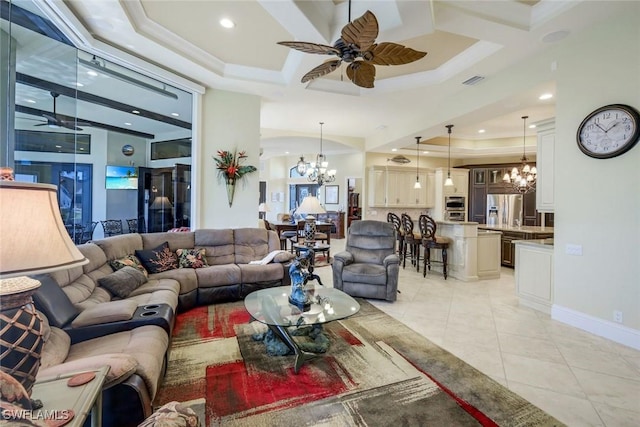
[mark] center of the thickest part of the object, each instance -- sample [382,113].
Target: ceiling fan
[357,47]
[53,120]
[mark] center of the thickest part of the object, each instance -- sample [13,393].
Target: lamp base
[21,331]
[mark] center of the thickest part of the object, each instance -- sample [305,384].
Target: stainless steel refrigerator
[504,210]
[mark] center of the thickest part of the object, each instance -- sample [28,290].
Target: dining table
[321,227]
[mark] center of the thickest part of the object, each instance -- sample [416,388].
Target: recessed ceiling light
[30,101]
[394,149]
[175,114]
[286,152]
[78,84]
[545,96]
[81,149]
[92,73]
[227,23]
[58,146]
[127,124]
[532,126]
[481,131]
[425,152]
[135,111]
[555,36]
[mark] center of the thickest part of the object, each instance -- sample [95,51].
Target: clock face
[609,131]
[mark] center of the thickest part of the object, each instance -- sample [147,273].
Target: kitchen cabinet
[394,187]
[534,274]
[460,178]
[545,164]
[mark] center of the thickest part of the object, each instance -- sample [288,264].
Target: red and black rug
[377,372]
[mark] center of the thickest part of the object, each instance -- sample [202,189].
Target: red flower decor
[229,167]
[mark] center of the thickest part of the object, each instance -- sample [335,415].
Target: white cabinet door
[377,188]
[430,190]
[545,164]
[460,186]
[397,191]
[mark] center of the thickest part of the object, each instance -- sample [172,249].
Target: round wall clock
[609,131]
[128,150]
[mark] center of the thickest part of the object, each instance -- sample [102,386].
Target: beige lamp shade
[310,205]
[34,238]
[161,202]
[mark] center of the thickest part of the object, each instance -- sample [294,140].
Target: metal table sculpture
[301,272]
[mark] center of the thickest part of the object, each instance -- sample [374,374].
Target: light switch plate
[571,249]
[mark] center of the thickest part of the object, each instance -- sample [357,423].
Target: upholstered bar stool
[430,241]
[411,245]
[397,224]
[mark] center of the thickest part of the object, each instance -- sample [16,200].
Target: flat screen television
[121,178]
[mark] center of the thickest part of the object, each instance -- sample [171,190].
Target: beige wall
[229,121]
[598,201]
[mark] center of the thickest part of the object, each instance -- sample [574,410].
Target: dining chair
[112,227]
[132,225]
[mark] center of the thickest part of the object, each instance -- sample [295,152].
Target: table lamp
[263,208]
[309,207]
[34,241]
[161,203]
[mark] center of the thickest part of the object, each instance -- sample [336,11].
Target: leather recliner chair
[369,265]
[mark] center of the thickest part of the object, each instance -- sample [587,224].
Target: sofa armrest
[106,312]
[121,366]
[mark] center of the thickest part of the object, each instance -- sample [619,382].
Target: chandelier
[318,171]
[301,166]
[523,180]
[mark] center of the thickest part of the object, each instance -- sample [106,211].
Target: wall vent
[473,80]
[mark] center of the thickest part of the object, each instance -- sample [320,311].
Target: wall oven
[455,216]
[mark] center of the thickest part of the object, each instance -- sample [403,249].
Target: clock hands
[614,125]
[601,128]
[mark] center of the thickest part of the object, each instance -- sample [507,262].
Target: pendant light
[301,166]
[449,181]
[523,180]
[417,185]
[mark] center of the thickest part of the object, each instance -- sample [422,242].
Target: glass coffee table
[271,306]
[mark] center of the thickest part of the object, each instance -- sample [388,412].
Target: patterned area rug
[377,372]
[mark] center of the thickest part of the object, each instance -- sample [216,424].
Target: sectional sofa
[119,309]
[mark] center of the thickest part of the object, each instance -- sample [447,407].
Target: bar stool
[432,241]
[411,241]
[395,220]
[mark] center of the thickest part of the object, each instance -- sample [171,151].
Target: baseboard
[600,327]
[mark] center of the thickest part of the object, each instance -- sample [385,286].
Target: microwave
[454,203]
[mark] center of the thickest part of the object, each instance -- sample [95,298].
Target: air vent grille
[473,80]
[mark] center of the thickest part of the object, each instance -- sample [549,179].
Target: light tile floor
[579,378]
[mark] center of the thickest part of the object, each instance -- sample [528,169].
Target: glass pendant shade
[449,182]
[301,167]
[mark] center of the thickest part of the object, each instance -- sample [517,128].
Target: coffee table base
[301,356]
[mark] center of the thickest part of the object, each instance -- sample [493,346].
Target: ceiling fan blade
[321,70]
[308,47]
[393,54]
[50,117]
[362,74]
[362,32]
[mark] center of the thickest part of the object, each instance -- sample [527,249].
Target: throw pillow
[129,260]
[191,258]
[122,282]
[158,259]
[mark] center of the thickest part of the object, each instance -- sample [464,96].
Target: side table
[57,397]
[318,247]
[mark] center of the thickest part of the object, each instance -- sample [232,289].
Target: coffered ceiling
[463,39]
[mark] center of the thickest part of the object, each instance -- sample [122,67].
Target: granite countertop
[481,231]
[546,243]
[524,228]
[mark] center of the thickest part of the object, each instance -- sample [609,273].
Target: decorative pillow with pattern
[128,261]
[158,259]
[191,258]
[124,281]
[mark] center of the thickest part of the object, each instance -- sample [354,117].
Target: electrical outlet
[573,249]
[617,316]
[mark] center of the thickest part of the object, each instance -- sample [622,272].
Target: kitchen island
[473,254]
[513,233]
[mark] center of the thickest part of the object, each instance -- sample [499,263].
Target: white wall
[229,121]
[598,201]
